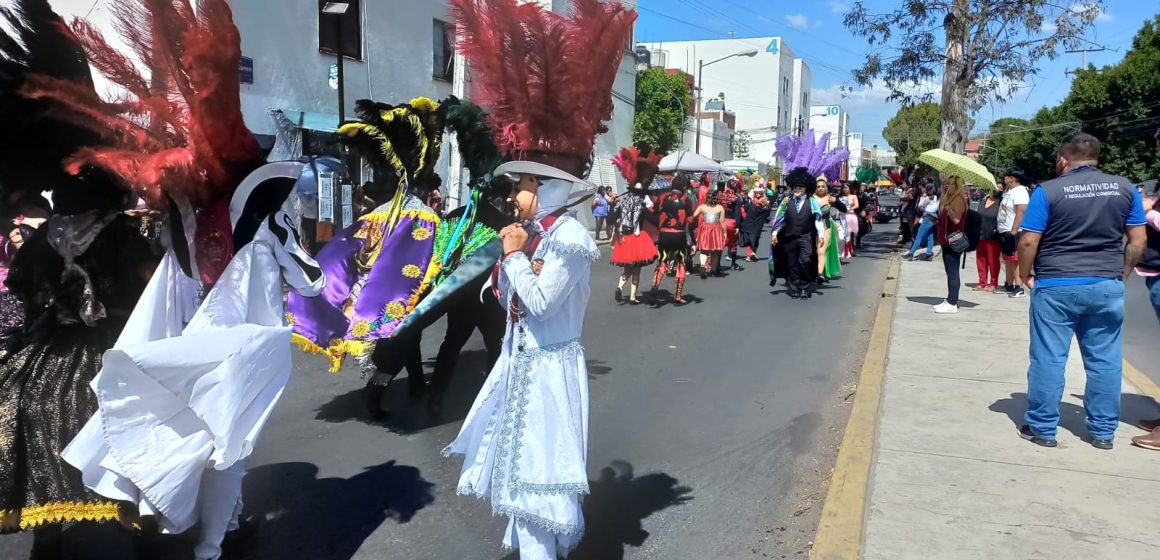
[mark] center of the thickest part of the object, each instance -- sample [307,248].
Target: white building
[397,50]
[830,119]
[767,91]
[855,147]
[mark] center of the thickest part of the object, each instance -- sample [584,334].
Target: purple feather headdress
[809,152]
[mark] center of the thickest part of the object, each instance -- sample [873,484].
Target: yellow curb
[839,535]
[1142,382]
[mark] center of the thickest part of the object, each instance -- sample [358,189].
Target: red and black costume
[675,212]
[731,199]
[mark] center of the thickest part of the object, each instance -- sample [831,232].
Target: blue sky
[813,29]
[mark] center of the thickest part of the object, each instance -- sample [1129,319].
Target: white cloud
[839,7]
[797,21]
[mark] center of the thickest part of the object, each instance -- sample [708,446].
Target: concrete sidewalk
[951,479]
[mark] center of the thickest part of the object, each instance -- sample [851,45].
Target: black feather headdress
[39,134]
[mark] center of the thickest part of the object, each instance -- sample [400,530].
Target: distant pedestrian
[987,254]
[710,234]
[1150,269]
[600,212]
[1011,210]
[1073,239]
[853,206]
[909,201]
[928,208]
[951,226]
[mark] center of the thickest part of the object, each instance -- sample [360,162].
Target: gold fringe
[64,512]
[337,352]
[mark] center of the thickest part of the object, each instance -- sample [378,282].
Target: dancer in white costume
[178,416]
[526,437]
[547,81]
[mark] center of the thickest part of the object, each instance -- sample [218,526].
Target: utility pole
[1084,50]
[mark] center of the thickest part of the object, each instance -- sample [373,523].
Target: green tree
[987,50]
[1029,144]
[1120,105]
[662,104]
[742,145]
[913,130]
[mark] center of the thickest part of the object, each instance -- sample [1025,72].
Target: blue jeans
[925,233]
[1153,283]
[1094,314]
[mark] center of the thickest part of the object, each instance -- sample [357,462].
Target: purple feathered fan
[810,152]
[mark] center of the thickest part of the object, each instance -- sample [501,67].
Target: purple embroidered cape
[374,277]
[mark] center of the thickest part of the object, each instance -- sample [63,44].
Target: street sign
[333,76]
[246,70]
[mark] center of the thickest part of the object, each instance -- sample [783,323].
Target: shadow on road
[933,301]
[1072,417]
[618,504]
[328,518]
[409,414]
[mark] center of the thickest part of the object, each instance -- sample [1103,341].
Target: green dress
[833,267]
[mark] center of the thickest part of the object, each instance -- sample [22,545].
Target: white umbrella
[684,160]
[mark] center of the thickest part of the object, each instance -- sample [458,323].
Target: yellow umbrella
[947,163]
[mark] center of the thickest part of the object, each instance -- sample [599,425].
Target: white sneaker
[945,307]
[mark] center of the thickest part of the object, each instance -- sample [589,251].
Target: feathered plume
[476,143]
[866,173]
[402,142]
[546,79]
[180,129]
[635,168]
[38,134]
[806,151]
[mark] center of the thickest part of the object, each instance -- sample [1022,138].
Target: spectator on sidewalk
[1073,238]
[928,208]
[989,248]
[600,212]
[952,221]
[1011,211]
[1149,269]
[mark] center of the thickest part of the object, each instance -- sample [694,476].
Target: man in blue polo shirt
[1073,239]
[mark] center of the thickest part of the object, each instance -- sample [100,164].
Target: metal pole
[697,109]
[341,85]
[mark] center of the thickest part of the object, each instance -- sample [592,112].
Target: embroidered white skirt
[525,444]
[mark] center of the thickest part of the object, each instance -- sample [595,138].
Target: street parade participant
[379,268]
[632,248]
[524,440]
[757,209]
[732,200]
[156,446]
[798,226]
[851,199]
[467,247]
[829,262]
[675,215]
[710,234]
[88,265]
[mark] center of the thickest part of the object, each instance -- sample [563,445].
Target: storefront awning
[321,122]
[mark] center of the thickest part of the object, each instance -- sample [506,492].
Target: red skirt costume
[711,236]
[633,249]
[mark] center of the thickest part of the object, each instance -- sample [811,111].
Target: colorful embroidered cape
[375,276]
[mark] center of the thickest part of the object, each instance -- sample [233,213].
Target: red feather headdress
[177,129]
[546,79]
[635,168]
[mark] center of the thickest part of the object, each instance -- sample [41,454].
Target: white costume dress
[525,439]
[178,416]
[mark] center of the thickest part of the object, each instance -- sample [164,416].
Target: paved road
[1141,330]
[713,427]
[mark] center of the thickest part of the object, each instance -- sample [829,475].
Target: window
[785,86]
[443,54]
[348,26]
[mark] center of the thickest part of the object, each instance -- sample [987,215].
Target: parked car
[889,204]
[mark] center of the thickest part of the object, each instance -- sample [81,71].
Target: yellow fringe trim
[372,231]
[337,352]
[64,512]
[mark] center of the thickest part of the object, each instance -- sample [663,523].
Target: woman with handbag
[952,236]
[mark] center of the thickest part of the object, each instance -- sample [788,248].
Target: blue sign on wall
[246,69]
[774,45]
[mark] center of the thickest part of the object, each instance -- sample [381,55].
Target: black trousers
[951,262]
[798,253]
[601,226]
[462,320]
[391,355]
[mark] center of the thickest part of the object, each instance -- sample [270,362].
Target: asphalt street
[1141,329]
[713,429]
